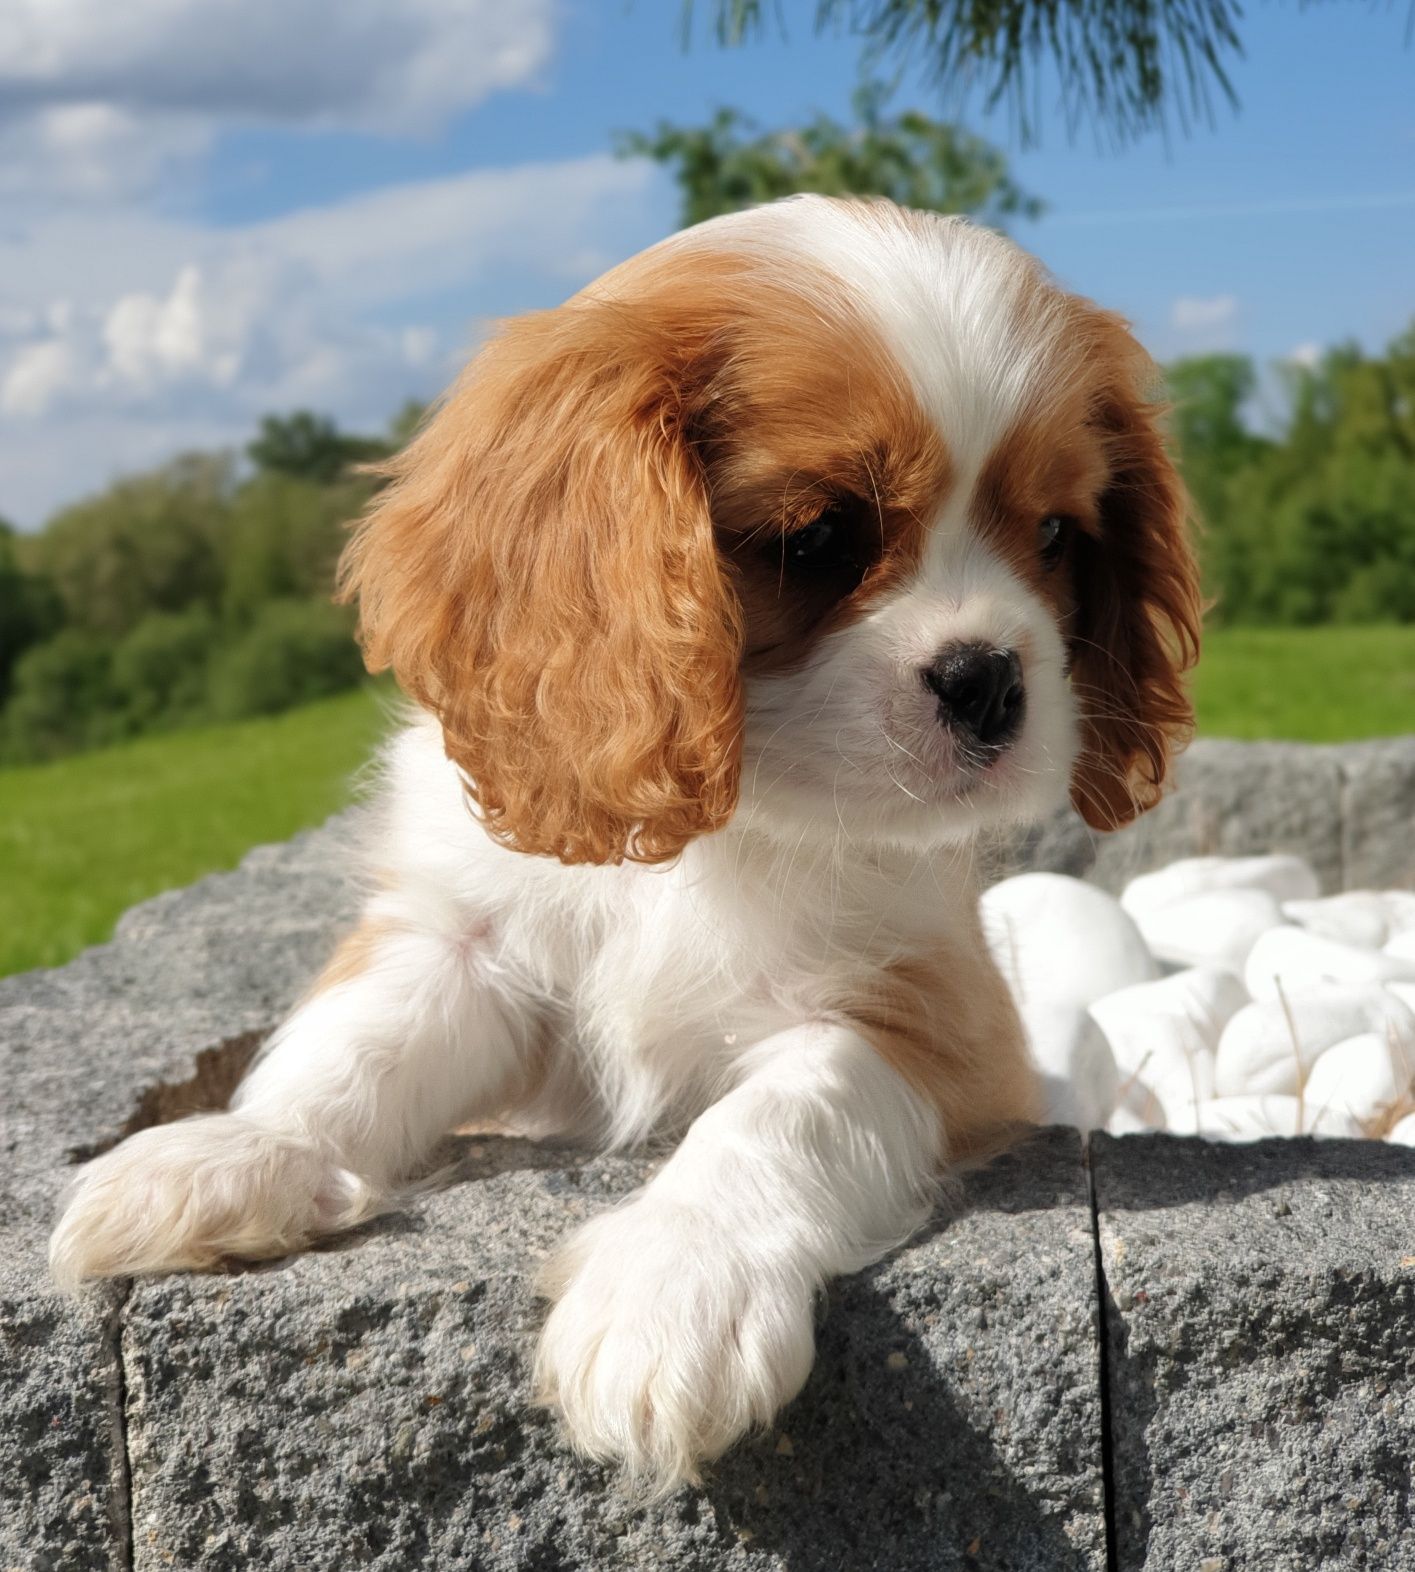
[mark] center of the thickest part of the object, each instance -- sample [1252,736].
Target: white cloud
[1307,355]
[101,100]
[387,65]
[348,308]
[1192,314]
[127,329]
[93,152]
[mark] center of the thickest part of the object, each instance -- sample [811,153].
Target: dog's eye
[1054,531]
[829,545]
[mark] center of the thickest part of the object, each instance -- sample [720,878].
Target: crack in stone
[1102,1364]
[215,1076]
[121,1509]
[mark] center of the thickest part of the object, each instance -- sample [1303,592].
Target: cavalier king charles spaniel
[739,596]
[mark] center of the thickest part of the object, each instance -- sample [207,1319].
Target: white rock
[1402,1132]
[1139,1101]
[1216,927]
[1298,959]
[1284,878]
[1060,942]
[1163,1035]
[1401,945]
[1259,1053]
[1256,1118]
[1361,1077]
[1360,917]
[1191,1006]
[1079,1078]
[1123,1122]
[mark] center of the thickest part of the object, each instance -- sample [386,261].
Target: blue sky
[217,207]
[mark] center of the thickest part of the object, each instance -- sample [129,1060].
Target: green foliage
[149,543]
[1122,65]
[159,671]
[29,608]
[292,652]
[405,424]
[185,595]
[61,698]
[283,536]
[309,447]
[1318,524]
[731,163]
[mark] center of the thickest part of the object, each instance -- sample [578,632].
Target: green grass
[84,839]
[1335,684]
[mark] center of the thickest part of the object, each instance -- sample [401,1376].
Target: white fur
[620,1002]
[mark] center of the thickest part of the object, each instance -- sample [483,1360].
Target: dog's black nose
[979,691]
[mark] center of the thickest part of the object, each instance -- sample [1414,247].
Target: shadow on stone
[216,1073]
[881,1423]
[1183,1170]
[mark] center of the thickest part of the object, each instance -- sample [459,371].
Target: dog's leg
[685,1316]
[410,1031]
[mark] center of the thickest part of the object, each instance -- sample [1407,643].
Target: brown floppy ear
[1136,630]
[541,574]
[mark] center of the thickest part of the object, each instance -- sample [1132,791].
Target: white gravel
[1220,996]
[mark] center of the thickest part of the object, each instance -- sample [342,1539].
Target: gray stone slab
[1378,814]
[1260,1310]
[81,1050]
[1229,799]
[63,1501]
[367,1405]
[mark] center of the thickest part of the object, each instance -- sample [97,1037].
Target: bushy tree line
[1314,521]
[198,592]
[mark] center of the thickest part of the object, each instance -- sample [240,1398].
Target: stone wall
[1149,1354]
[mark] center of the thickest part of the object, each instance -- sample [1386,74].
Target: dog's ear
[1136,630]
[540,573]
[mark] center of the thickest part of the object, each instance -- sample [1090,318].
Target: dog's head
[829,514]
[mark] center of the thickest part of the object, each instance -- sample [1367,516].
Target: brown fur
[815,414]
[1136,630]
[542,575]
[1128,596]
[543,572]
[580,555]
[947,1024]
[354,955]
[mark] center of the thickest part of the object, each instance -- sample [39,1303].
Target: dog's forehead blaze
[1057,456]
[793,402]
[1052,462]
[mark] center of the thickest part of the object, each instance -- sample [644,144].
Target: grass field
[1309,684]
[83,839]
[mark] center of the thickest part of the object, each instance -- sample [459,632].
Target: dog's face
[831,515]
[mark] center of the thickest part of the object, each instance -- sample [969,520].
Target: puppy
[739,596]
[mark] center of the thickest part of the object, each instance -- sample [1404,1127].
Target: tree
[309,447]
[1208,395]
[283,536]
[1317,523]
[148,543]
[1122,64]
[919,162]
[62,698]
[29,608]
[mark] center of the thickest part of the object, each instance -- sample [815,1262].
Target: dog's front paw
[192,1193]
[670,1339]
